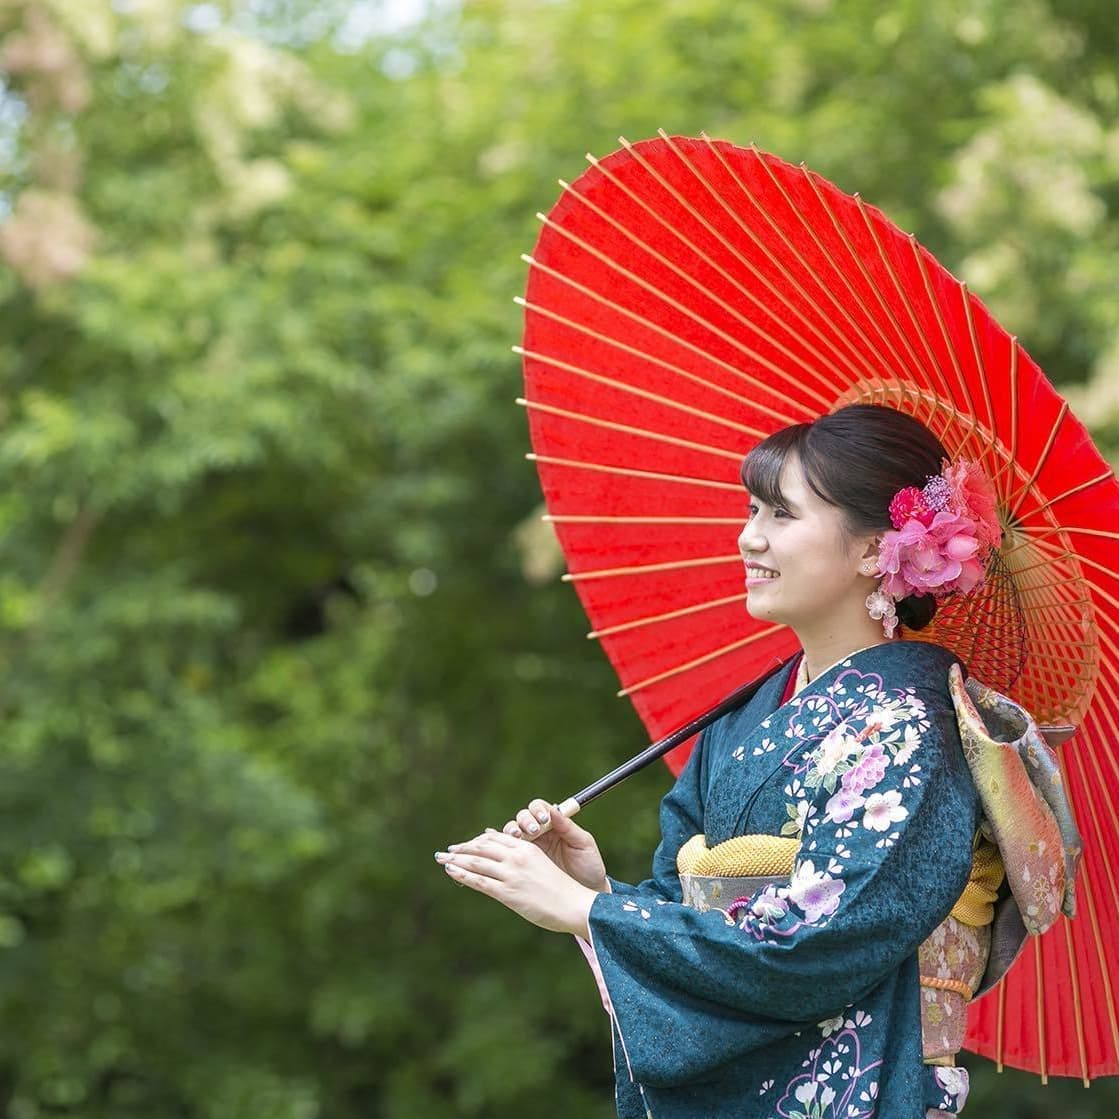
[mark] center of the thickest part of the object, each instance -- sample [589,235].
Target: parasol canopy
[687,298]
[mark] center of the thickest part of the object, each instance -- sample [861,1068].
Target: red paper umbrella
[687,298]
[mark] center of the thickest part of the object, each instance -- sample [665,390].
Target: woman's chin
[762,611]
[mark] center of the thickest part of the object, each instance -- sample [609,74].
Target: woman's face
[814,563]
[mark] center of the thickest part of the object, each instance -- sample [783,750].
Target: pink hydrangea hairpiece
[940,540]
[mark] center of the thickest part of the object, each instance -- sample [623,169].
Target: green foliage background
[270,628]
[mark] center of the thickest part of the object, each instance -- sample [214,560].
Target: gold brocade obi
[1027,838]
[772,856]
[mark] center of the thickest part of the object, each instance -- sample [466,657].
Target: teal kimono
[800,1001]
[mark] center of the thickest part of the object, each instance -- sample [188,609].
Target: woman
[798,993]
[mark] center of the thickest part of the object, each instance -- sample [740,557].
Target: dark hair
[855,459]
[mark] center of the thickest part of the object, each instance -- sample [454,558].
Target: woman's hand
[520,876]
[572,848]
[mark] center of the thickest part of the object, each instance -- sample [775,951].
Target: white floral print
[883,809]
[815,894]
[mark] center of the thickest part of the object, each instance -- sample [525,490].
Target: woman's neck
[821,651]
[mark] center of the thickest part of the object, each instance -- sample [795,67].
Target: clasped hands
[541,865]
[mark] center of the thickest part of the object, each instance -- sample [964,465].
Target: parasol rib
[1105,970]
[841,273]
[576,519]
[613,425]
[1107,475]
[706,658]
[980,367]
[622,386]
[917,368]
[1012,379]
[1039,988]
[626,232]
[649,568]
[1084,885]
[720,237]
[900,289]
[1106,533]
[676,305]
[617,344]
[631,472]
[1000,1028]
[1023,489]
[855,355]
[653,619]
[1077,1012]
[938,314]
[754,383]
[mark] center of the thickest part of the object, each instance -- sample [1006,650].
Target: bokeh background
[277,616]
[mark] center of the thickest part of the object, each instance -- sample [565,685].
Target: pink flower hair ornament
[940,541]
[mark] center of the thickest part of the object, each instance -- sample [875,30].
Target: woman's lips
[757,576]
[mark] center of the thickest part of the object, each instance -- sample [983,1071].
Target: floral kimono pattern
[800,1001]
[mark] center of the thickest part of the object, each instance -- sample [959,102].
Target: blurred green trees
[269,632]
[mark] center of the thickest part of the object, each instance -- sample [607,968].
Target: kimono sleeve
[885,854]
[681,817]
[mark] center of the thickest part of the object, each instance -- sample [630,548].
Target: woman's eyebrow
[780,503]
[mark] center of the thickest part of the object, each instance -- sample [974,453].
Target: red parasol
[688,297]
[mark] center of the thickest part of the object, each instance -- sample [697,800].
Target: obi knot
[976,905]
[746,856]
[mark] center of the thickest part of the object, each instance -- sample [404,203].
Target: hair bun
[915,611]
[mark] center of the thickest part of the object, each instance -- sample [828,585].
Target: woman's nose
[750,540]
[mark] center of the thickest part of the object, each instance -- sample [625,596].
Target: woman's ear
[868,564]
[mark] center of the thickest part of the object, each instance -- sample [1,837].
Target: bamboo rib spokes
[883,348]
[631,472]
[628,429]
[671,615]
[711,263]
[733,646]
[649,568]
[834,338]
[658,398]
[698,351]
[754,356]
[642,519]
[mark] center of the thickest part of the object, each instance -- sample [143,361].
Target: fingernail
[542,817]
[441,856]
[452,868]
[452,846]
[533,828]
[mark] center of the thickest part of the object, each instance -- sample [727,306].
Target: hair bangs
[762,467]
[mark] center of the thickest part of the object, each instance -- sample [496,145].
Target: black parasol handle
[661,747]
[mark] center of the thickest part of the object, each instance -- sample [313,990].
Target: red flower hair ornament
[942,536]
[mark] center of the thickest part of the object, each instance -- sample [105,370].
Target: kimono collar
[798,680]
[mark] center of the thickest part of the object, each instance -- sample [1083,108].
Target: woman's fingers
[518,874]
[564,825]
[486,856]
[486,841]
[541,810]
[479,882]
[531,821]
[528,823]
[489,844]
[475,864]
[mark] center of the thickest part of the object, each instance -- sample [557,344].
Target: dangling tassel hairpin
[880,606]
